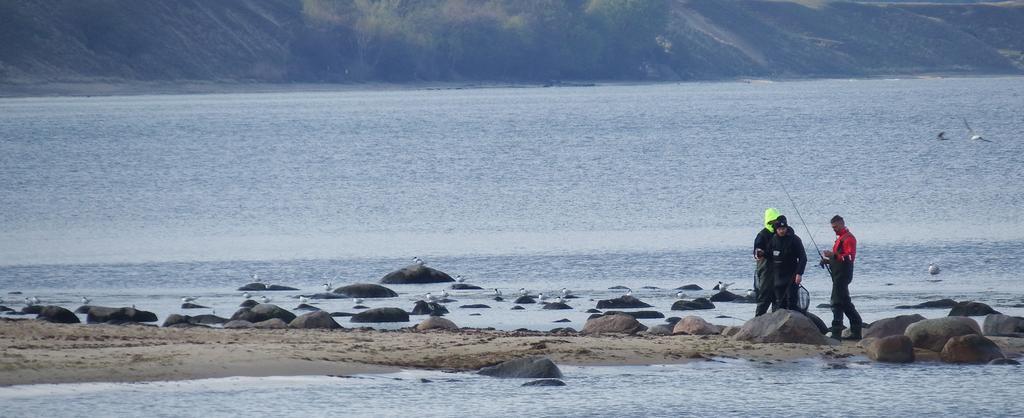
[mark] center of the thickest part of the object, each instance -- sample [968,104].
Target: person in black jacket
[763,285]
[786,262]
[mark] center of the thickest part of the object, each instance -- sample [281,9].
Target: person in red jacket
[840,260]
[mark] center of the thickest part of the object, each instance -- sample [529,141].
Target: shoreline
[129,88]
[39,352]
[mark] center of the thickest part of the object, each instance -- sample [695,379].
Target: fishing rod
[793,203]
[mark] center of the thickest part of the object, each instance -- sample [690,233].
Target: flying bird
[942,136]
[974,136]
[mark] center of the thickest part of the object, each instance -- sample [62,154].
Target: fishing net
[803,298]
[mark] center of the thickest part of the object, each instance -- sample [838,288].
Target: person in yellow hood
[763,283]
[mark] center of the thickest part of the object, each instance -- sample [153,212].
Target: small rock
[545,382]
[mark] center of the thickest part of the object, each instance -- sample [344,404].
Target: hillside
[314,41]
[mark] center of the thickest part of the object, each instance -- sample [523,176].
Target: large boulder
[32,309]
[891,349]
[891,326]
[536,367]
[998,324]
[263,312]
[724,296]
[314,320]
[58,315]
[932,304]
[428,308]
[248,303]
[272,323]
[781,326]
[621,324]
[365,290]
[971,309]
[556,306]
[695,325]
[102,314]
[622,302]
[970,348]
[263,287]
[524,300]
[932,334]
[692,305]
[381,315]
[436,322]
[177,320]
[207,319]
[237,324]
[416,274]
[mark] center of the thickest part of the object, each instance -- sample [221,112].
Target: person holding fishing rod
[840,265]
[786,262]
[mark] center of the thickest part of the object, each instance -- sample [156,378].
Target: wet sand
[34,351]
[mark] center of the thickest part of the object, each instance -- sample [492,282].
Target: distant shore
[36,352]
[140,88]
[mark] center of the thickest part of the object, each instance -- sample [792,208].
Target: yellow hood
[770,215]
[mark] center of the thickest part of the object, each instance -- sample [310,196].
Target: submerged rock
[545,382]
[638,314]
[465,286]
[933,304]
[691,305]
[724,296]
[536,367]
[264,287]
[622,302]
[365,290]
[689,287]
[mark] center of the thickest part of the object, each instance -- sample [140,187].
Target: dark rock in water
[638,314]
[305,307]
[207,319]
[263,287]
[381,315]
[365,290]
[518,308]
[690,305]
[32,309]
[592,316]
[314,320]
[619,287]
[556,306]
[744,299]
[499,299]
[327,295]
[476,314]
[570,297]
[431,308]
[475,306]
[5,309]
[101,314]
[545,382]
[891,349]
[998,324]
[690,287]
[528,367]
[593,310]
[622,302]
[193,306]
[341,314]
[524,300]
[723,296]
[563,330]
[781,326]
[360,307]
[932,334]
[650,287]
[58,315]
[971,349]
[824,306]
[891,326]
[465,286]
[263,312]
[84,309]
[562,320]
[932,304]
[619,324]
[248,303]
[14,293]
[971,309]
[672,319]
[416,274]
[1004,362]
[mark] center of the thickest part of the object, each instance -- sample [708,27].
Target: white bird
[255,278]
[357,300]
[418,261]
[722,286]
[85,300]
[246,295]
[974,136]
[459,278]
[541,297]
[751,293]
[327,286]
[497,292]
[559,300]
[265,299]
[187,299]
[680,295]
[444,294]
[629,292]
[933,269]
[566,292]
[31,300]
[303,299]
[522,291]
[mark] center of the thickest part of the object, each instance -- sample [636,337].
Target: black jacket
[786,257]
[761,240]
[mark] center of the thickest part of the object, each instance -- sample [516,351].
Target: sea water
[142,200]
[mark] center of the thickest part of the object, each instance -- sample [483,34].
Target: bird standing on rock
[187,299]
[85,300]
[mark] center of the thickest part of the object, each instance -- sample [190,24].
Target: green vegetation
[497,40]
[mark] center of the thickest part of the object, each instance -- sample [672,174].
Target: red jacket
[845,248]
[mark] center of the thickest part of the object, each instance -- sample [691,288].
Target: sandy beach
[34,352]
